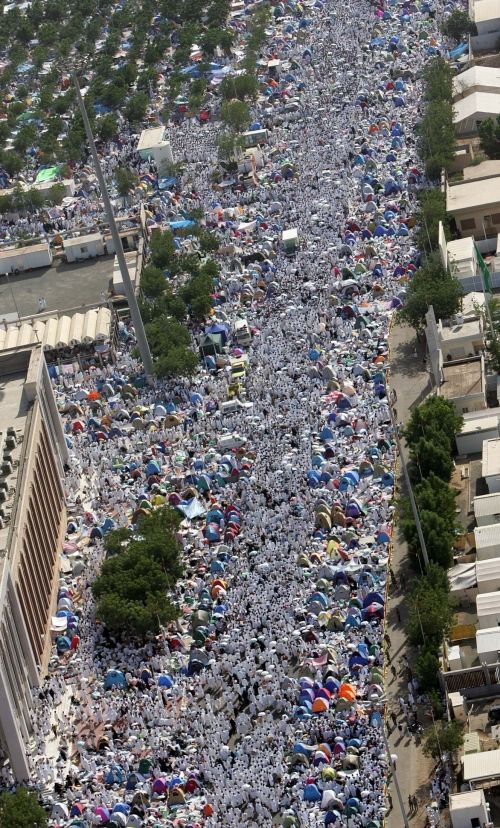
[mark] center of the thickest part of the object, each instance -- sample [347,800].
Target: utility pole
[140,333]
[414,508]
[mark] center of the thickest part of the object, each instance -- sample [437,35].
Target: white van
[231,441]
[234,405]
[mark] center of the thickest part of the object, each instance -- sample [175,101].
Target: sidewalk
[411,381]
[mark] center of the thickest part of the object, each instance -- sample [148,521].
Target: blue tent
[114,678]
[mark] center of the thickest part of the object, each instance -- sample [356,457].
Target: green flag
[484,271]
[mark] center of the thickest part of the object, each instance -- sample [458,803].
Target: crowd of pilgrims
[283,724]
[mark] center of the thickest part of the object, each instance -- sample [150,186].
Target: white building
[476,79]
[468,809]
[487,509]
[154,144]
[83,247]
[488,575]
[491,464]
[486,15]
[488,609]
[475,430]
[488,649]
[470,111]
[487,541]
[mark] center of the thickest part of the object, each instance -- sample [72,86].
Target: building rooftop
[488,570]
[484,10]
[474,104]
[491,457]
[464,330]
[462,379]
[474,424]
[486,168]
[466,799]
[152,138]
[14,408]
[482,76]
[486,536]
[487,602]
[471,195]
[5,252]
[487,505]
[78,240]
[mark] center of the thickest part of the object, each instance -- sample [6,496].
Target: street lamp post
[135,313]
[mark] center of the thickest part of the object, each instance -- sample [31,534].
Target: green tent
[47,174]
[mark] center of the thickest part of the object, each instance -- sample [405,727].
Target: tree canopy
[489,133]
[142,567]
[21,809]
[443,737]
[431,285]
[458,25]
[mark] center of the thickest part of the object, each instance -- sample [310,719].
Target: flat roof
[14,409]
[488,570]
[481,766]
[483,10]
[487,602]
[487,535]
[479,424]
[152,137]
[491,457]
[488,641]
[475,104]
[463,330]
[462,379]
[466,799]
[73,242]
[19,251]
[461,249]
[487,505]
[485,169]
[476,76]
[471,195]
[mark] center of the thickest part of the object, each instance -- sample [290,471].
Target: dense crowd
[273,714]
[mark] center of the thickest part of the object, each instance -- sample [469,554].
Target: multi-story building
[32,524]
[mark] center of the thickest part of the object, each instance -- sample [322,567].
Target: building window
[495,218]
[468,224]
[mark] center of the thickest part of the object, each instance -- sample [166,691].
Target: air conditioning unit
[6,468]
[10,441]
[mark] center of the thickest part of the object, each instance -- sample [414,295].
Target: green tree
[153,282]
[125,180]
[435,414]
[431,285]
[239,86]
[209,242]
[489,133]
[56,193]
[430,614]
[135,110]
[431,454]
[427,669]
[20,809]
[115,540]
[432,210]
[437,76]
[236,115]
[107,127]
[436,137]
[438,538]
[178,362]
[457,25]
[162,248]
[444,737]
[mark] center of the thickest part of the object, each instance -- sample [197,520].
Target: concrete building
[475,205]
[476,79]
[83,247]
[491,464]
[475,431]
[486,15]
[487,509]
[488,575]
[488,609]
[487,539]
[33,523]
[154,144]
[473,109]
[469,809]
[488,648]
[464,385]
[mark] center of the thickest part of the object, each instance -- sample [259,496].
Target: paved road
[411,381]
